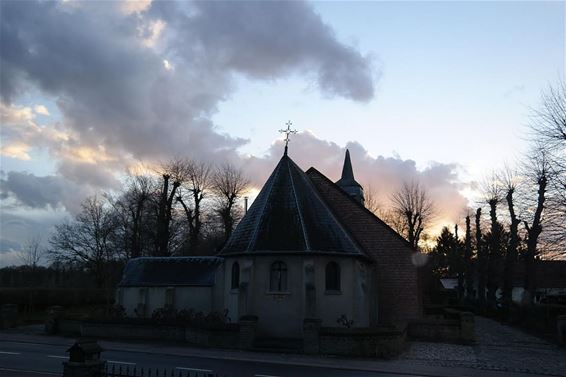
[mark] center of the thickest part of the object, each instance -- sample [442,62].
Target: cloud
[18,228]
[269,40]
[42,192]
[381,175]
[40,109]
[7,246]
[140,81]
[16,150]
[104,64]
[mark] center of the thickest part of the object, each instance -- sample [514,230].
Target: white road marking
[30,371]
[120,362]
[58,357]
[264,375]
[9,353]
[195,369]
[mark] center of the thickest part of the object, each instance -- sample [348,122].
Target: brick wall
[397,280]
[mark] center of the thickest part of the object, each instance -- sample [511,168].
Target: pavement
[498,347]
[499,351]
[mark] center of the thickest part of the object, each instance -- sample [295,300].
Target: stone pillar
[561,327]
[311,335]
[245,297]
[8,315]
[54,313]
[310,290]
[86,369]
[467,326]
[248,326]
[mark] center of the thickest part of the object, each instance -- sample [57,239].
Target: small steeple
[347,181]
[347,172]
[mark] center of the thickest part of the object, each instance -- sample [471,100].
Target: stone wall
[213,338]
[376,341]
[131,331]
[222,338]
[457,327]
[8,315]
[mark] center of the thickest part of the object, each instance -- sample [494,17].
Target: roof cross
[287,132]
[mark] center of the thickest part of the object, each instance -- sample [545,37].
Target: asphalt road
[18,357]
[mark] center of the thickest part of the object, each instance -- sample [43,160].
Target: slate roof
[289,215]
[170,271]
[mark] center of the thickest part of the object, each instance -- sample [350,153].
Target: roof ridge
[334,217]
[299,207]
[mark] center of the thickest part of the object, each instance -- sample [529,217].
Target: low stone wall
[213,338]
[67,326]
[8,315]
[131,331]
[378,341]
[223,338]
[456,327]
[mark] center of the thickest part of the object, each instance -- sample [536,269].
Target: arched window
[235,275]
[332,276]
[278,277]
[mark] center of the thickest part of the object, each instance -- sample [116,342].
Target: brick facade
[397,278]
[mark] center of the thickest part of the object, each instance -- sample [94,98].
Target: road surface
[18,357]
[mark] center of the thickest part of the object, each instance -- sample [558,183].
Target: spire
[347,172]
[347,181]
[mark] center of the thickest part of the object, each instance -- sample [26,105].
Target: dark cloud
[42,192]
[268,40]
[8,246]
[114,89]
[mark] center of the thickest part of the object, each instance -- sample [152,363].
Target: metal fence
[126,371]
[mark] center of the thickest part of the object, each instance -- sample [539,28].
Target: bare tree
[174,173]
[198,182]
[413,204]
[130,208]
[468,267]
[509,179]
[537,172]
[371,202]
[492,191]
[229,184]
[549,120]
[482,260]
[32,252]
[88,239]
[548,128]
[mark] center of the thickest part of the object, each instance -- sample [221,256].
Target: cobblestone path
[498,347]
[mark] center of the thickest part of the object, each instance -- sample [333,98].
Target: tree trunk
[511,256]
[533,232]
[468,270]
[482,261]
[493,257]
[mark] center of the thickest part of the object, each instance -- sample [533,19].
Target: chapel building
[306,248]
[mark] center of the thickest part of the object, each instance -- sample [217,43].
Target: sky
[439,92]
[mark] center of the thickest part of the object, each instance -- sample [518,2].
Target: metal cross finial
[287,132]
